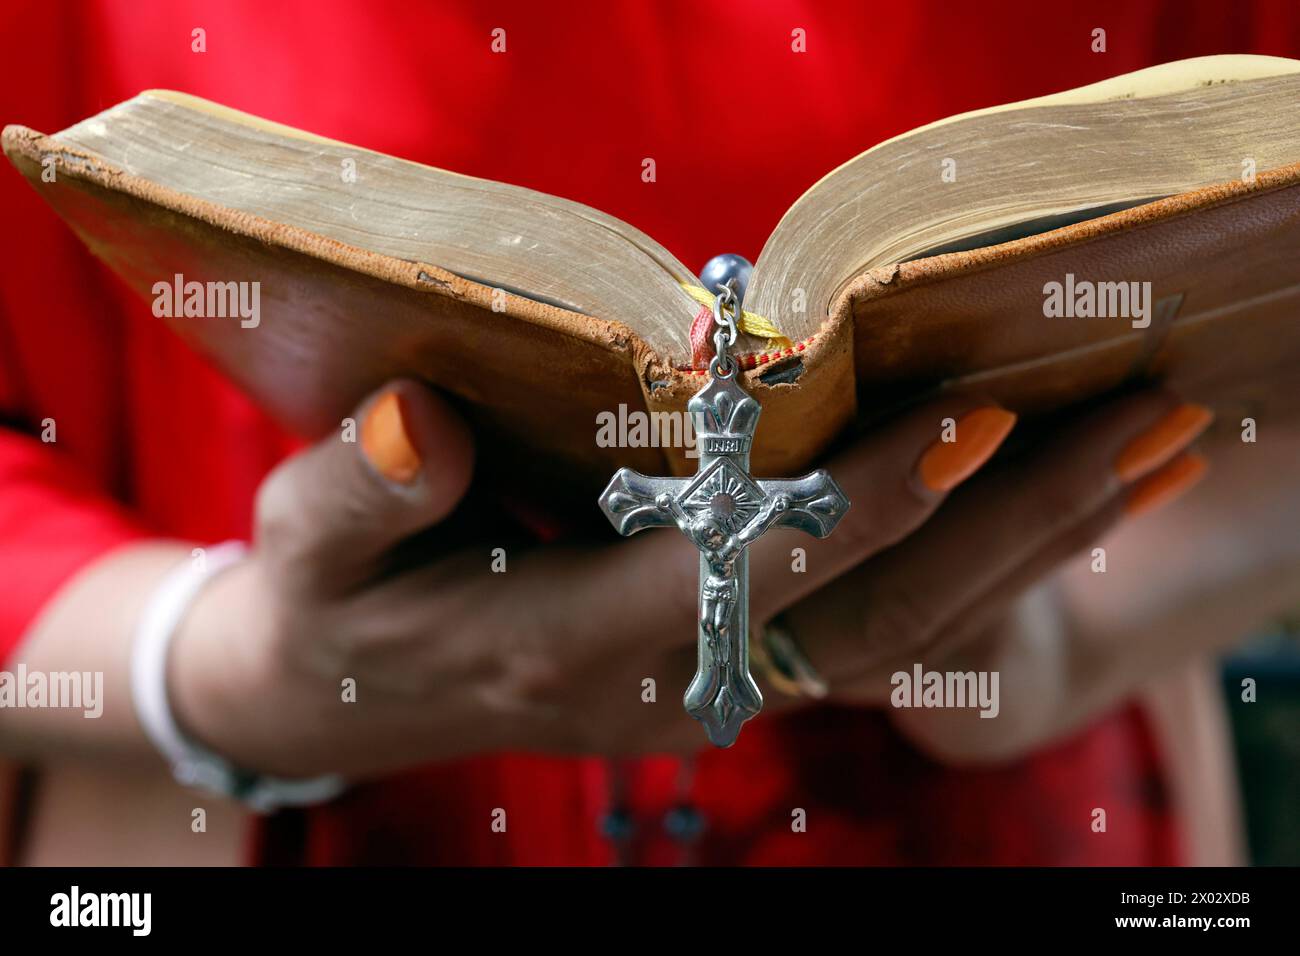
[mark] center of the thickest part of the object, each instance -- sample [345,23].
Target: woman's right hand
[347,583]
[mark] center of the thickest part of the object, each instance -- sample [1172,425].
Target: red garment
[738,125]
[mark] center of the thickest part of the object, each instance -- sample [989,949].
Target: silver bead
[718,270]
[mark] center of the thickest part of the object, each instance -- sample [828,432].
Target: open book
[1042,252]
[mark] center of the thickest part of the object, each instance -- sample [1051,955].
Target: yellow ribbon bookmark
[749,323]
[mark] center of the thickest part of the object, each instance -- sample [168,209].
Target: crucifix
[722,509]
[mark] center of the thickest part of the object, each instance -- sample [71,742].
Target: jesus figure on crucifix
[720,550]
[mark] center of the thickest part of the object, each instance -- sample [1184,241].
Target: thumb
[325,516]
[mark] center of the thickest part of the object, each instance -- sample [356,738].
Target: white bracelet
[192,764]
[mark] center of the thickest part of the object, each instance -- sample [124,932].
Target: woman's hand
[451,658]
[1178,586]
[350,581]
[1004,532]
[971,590]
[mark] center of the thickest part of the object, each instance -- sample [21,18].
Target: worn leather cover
[337,322]
[1224,268]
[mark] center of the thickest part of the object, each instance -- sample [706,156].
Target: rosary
[722,509]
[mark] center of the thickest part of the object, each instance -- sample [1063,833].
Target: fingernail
[1165,484]
[946,464]
[385,441]
[1162,441]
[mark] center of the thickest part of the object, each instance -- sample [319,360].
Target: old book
[1042,252]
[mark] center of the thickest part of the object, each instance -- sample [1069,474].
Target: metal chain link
[723,365]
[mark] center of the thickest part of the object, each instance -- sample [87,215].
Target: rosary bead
[718,270]
[684,823]
[618,825]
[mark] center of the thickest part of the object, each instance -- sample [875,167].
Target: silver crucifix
[722,510]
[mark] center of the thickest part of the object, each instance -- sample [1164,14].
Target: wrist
[218,673]
[220,691]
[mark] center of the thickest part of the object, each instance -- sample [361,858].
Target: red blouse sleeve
[53,522]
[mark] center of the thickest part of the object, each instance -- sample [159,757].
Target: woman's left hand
[977,576]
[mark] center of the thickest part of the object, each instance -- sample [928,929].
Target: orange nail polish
[945,465]
[1162,441]
[386,443]
[1166,483]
